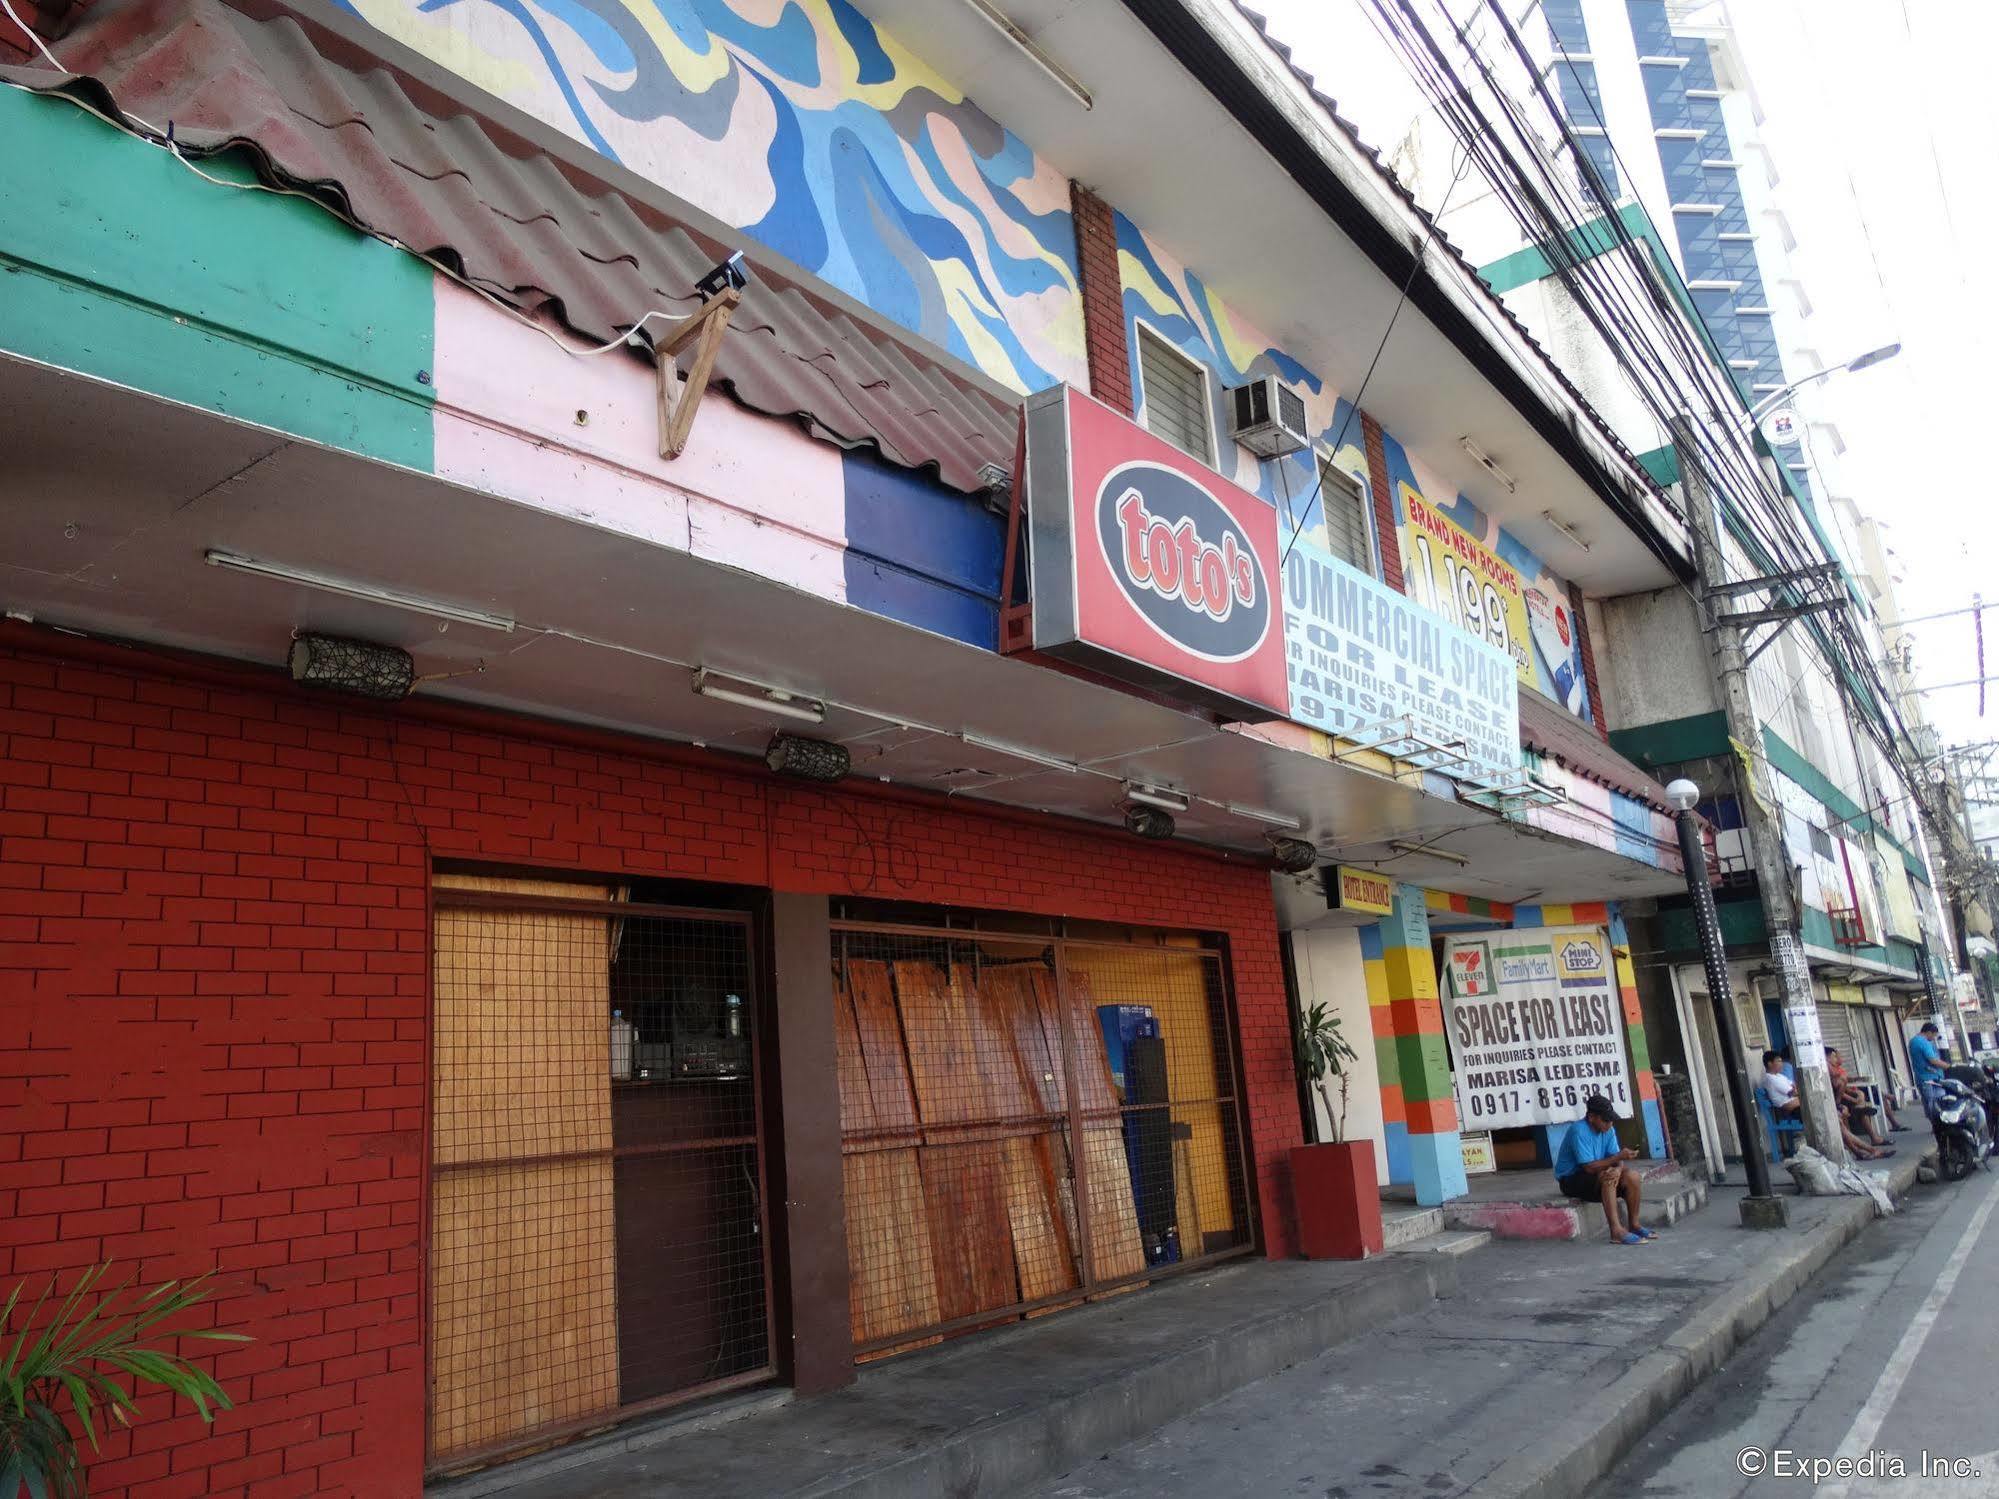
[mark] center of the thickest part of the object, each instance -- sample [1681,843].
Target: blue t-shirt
[1924,1059]
[1581,1145]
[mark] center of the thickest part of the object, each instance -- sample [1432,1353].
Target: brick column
[1386,535]
[1581,616]
[1416,1018]
[1103,299]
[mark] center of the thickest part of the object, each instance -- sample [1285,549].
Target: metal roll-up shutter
[1836,1026]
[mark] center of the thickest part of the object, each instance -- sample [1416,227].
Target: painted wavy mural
[1161,294]
[802,124]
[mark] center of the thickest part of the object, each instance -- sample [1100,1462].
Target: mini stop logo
[1182,560]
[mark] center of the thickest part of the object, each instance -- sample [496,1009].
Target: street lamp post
[1760,1209]
[1858,362]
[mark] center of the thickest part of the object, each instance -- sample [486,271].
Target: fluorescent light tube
[1019,752]
[370,593]
[1418,850]
[1568,531]
[1163,797]
[1259,814]
[745,694]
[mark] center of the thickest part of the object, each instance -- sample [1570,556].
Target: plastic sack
[1818,1177]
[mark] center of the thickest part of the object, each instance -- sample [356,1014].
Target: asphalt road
[1890,1352]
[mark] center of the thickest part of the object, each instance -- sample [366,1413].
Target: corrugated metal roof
[1549,729]
[528,228]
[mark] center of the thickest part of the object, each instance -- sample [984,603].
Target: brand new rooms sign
[1150,566]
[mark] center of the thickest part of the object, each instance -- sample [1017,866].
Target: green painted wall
[1674,741]
[129,267]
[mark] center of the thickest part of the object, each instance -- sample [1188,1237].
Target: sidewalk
[1540,1365]
[1552,1360]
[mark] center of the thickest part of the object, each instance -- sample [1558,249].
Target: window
[1348,535]
[1174,392]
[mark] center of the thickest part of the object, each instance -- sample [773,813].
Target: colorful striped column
[1387,1061]
[1641,1048]
[1416,1026]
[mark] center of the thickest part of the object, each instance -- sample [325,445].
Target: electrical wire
[1353,406]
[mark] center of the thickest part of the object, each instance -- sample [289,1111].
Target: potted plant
[1334,1189]
[71,1357]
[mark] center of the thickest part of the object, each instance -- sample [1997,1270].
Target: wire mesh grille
[597,1197]
[1026,1122]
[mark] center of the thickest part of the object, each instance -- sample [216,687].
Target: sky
[1883,118]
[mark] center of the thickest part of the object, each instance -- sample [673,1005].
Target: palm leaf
[89,1336]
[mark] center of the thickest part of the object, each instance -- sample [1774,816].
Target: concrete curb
[1029,1445]
[1589,1443]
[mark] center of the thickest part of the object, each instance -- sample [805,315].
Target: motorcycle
[1962,1124]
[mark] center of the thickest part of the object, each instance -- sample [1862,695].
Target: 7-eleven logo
[1471,974]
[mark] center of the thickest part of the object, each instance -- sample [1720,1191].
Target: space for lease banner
[1535,1026]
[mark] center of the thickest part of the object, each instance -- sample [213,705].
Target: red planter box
[1338,1200]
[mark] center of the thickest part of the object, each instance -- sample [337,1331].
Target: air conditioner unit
[1268,417]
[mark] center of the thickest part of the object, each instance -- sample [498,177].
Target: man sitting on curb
[1590,1168]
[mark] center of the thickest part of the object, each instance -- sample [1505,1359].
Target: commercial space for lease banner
[1535,1026]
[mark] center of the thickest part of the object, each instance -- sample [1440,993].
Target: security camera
[733,272]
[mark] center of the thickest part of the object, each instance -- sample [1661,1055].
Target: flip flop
[1646,1233]
[1629,1239]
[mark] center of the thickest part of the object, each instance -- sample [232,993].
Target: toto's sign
[1183,562]
[1146,565]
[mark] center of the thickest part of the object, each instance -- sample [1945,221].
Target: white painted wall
[1659,666]
[1330,970]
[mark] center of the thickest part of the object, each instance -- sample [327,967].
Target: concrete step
[1449,1241]
[1668,1197]
[1400,1224]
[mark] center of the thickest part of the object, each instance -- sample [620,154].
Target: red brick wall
[1103,299]
[1581,616]
[213,959]
[1386,535]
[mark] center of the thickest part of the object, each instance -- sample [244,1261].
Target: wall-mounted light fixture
[747,694]
[1293,855]
[354,588]
[1148,822]
[808,759]
[1479,456]
[1564,529]
[1029,48]
[1162,798]
[334,663]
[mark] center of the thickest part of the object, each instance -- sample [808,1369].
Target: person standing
[1926,1063]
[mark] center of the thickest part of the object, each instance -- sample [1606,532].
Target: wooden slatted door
[523,1271]
[597,1233]
[996,1165]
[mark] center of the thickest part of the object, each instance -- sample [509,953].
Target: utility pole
[1766,840]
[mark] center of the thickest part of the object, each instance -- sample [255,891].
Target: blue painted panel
[920,553]
[1634,828]
[1437,1166]
[1395,1138]
[1655,1129]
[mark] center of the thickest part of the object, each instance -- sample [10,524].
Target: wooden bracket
[677,405]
